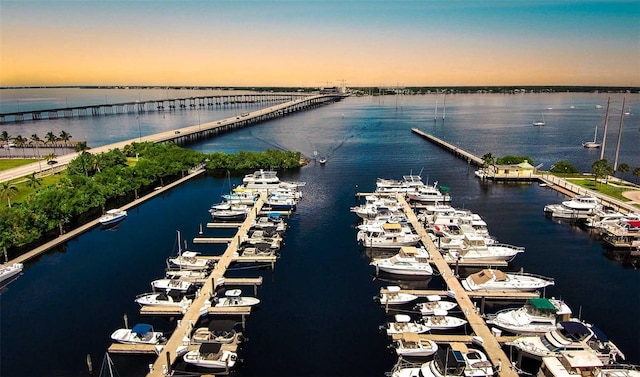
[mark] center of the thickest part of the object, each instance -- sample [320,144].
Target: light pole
[139,130]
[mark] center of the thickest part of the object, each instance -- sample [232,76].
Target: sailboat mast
[444,109]
[615,162]
[435,111]
[604,134]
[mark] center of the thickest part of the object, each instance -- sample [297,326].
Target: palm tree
[8,189]
[5,137]
[51,138]
[35,139]
[33,181]
[20,142]
[65,136]
[49,156]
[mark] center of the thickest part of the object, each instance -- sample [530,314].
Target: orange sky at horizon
[192,51]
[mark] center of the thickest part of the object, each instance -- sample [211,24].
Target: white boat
[322,161]
[218,331]
[241,196]
[409,261]
[594,143]
[392,295]
[188,275]
[112,216]
[428,194]
[9,272]
[403,324]
[458,360]
[141,333]
[280,203]
[229,212]
[539,122]
[163,299]
[212,356]
[579,207]
[496,280]
[538,315]
[188,260]
[261,179]
[439,320]
[232,298]
[413,345]
[583,363]
[408,183]
[172,284]
[568,336]
[434,303]
[272,222]
[475,248]
[387,236]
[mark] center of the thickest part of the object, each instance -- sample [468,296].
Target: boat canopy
[486,275]
[141,329]
[575,330]
[209,348]
[542,304]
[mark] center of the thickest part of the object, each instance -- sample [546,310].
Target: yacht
[393,296]
[409,261]
[112,216]
[428,194]
[403,324]
[7,273]
[407,184]
[579,207]
[457,360]
[582,363]
[387,236]
[496,280]
[475,248]
[538,315]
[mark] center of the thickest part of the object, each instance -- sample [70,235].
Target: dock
[201,305]
[489,342]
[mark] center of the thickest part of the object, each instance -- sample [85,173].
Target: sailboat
[594,143]
[539,122]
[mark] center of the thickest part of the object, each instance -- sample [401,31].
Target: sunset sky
[315,43]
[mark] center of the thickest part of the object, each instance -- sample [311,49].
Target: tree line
[91,181]
[34,141]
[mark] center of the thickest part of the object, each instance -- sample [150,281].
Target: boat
[622,235]
[261,179]
[568,336]
[112,216]
[188,260]
[539,122]
[392,295]
[212,356]
[188,275]
[579,207]
[409,261]
[594,143]
[280,203]
[387,236]
[413,345]
[322,161]
[141,333]
[8,272]
[496,280]
[241,196]
[229,212]
[428,194]
[475,248]
[581,363]
[167,299]
[218,331]
[403,324]
[172,284]
[434,302]
[538,315]
[408,183]
[232,298]
[439,320]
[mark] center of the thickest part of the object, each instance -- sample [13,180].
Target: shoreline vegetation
[91,183]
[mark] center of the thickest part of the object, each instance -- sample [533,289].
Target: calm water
[317,316]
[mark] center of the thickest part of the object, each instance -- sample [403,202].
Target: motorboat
[261,179]
[568,336]
[403,324]
[172,284]
[538,315]
[428,194]
[322,161]
[260,250]
[409,261]
[188,260]
[141,333]
[623,235]
[188,275]
[393,295]
[112,216]
[272,222]
[496,280]
[375,206]
[413,345]
[280,203]
[474,248]
[434,303]
[241,196]
[212,356]
[8,272]
[218,331]
[580,363]
[408,183]
[388,236]
[233,298]
[262,239]
[229,212]
[579,207]
[439,320]
[170,299]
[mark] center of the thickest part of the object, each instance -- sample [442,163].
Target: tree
[8,189]
[623,168]
[563,167]
[5,137]
[488,160]
[35,139]
[65,136]
[636,172]
[49,156]
[601,169]
[51,138]
[33,181]
[20,142]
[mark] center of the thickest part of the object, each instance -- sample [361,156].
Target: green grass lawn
[612,191]
[10,163]
[24,191]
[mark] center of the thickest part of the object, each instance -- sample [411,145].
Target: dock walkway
[489,342]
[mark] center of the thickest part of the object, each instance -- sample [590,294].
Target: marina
[289,287]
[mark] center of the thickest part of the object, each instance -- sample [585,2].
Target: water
[317,316]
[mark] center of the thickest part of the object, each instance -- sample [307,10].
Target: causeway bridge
[142,106]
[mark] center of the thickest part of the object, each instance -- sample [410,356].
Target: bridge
[187,103]
[189,134]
